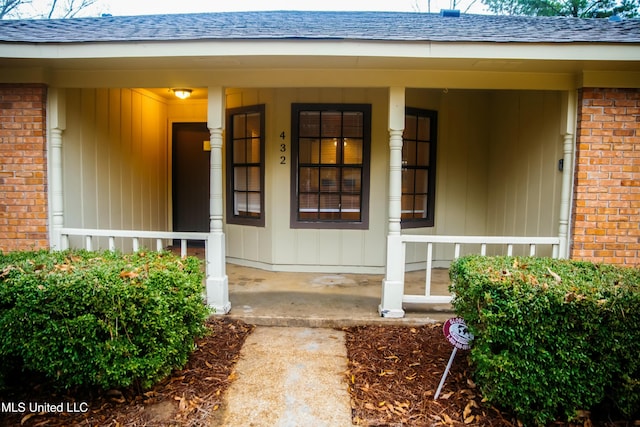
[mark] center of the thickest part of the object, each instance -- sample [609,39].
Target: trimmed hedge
[99,319]
[552,337]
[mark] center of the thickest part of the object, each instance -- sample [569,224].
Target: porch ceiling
[186,63]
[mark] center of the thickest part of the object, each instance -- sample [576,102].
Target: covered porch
[270,298]
[499,190]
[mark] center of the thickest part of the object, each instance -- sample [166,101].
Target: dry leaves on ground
[189,397]
[394,372]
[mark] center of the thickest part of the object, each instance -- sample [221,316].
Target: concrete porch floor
[268,298]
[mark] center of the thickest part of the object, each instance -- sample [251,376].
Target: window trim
[231,217]
[296,223]
[429,221]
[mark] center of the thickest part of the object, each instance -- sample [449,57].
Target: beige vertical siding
[496,170]
[524,180]
[461,166]
[115,160]
[277,244]
[496,175]
[497,160]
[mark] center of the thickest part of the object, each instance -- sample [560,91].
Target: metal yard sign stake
[457,333]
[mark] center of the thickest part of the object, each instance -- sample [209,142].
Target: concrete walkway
[292,368]
[290,377]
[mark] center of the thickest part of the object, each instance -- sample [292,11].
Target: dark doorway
[190,177]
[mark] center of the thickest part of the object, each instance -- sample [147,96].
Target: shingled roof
[286,25]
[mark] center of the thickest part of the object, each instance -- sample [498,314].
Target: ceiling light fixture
[182,93]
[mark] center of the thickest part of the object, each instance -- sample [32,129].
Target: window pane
[423,154]
[309,179]
[351,180]
[353,124]
[410,127]
[409,153]
[350,208]
[253,178]
[408,181]
[331,124]
[240,178]
[246,204]
[239,127]
[253,125]
[422,181]
[329,206]
[350,216]
[308,206]
[407,206]
[309,124]
[240,202]
[352,151]
[253,152]
[329,179]
[350,203]
[329,149]
[309,150]
[254,204]
[239,151]
[420,207]
[424,125]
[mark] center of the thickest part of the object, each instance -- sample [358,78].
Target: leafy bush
[552,337]
[99,319]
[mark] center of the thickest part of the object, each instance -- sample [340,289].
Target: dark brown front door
[190,177]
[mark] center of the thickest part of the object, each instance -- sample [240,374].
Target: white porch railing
[216,283]
[393,286]
[160,238]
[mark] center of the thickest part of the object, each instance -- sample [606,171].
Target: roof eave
[589,51]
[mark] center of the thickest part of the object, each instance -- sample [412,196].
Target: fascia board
[323,48]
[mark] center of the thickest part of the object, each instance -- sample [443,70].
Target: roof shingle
[383,26]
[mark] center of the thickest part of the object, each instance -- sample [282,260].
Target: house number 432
[283,149]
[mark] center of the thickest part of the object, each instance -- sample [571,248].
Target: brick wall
[606,214]
[23,168]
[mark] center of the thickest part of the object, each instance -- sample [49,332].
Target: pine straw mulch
[189,397]
[394,372]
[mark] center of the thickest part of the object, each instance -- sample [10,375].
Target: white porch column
[393,283]
[217,280]
[57,124]
[569,117]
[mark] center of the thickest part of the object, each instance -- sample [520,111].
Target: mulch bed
[190,397]
[393,373]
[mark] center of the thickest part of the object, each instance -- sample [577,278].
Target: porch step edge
[319,322]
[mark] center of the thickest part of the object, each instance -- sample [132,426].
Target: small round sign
[457,333]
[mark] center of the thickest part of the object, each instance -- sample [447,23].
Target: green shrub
[99,319]
[551,336]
